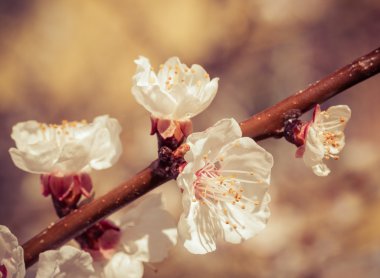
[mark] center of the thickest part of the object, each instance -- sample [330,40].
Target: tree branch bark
[267,123]
[270,122]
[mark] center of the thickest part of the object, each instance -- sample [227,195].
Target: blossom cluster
[224,177]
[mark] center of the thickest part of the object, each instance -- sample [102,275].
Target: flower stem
[268,123]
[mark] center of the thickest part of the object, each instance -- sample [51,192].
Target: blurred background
[74,60]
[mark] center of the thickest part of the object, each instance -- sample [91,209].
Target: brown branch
[265,124]
[270,122]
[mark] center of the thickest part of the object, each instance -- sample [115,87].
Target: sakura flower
[64,154]
[65,262]
[224,187]
[324,137]
[68,148]
[11,255]
[176,92]
[143,235]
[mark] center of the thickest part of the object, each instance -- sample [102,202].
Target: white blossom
[324,137]
[176,92]
[66,262]
[67,148]
[224,187]
[148,232]
[11,255]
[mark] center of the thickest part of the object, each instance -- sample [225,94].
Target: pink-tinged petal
[300,151]
[85,183]
[100,240]
[316,112]
[44,179]
[65,262]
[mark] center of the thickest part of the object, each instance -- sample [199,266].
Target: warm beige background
[74,59]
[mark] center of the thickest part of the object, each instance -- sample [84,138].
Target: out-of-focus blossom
[65,262]
[324,137]
[176,92]
[224,187]
[68,148]
[147,233]
[11,255]
[100,240]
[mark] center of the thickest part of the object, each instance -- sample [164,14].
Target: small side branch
[268,123]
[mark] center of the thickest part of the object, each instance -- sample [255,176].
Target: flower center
[331,144]
[65,127]
[218,189]
[3,271]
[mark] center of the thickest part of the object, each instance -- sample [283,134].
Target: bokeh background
[74,60]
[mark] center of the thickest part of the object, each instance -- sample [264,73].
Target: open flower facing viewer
[225,184]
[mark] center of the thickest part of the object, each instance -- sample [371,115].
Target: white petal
[159,103]
[148,230]
[107,147]
[321,169]
[71,147]
[244,154]
[314,149]
[198,228]
[251,222]
[176,93]
[144,75]
[123,266]
[334,118]
[38,164]
[65,262]
[11,254]
[210,141]
[195,101]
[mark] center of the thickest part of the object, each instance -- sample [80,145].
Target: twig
[267,123]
